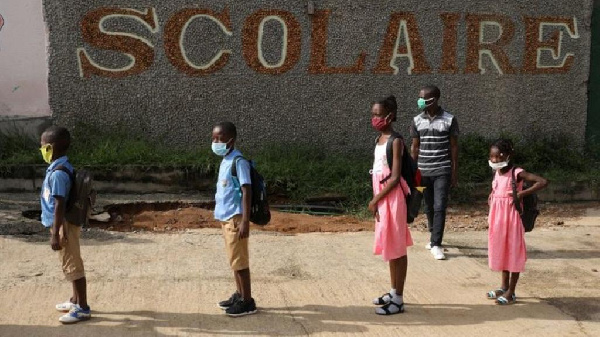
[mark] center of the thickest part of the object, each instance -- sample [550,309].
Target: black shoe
[229,302]
[242,308]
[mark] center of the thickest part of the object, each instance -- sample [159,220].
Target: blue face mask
[220,149]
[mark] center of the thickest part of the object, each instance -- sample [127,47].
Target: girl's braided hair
[504,146]
[390,105]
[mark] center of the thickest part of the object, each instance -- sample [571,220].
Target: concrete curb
[172,179]
[116,179]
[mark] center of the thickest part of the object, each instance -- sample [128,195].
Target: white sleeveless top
[380,161]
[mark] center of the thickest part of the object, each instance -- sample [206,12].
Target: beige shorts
[237,250]
[70,254]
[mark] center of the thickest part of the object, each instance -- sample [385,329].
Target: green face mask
[46,151]
[424,103]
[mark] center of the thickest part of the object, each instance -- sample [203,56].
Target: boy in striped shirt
[434,147]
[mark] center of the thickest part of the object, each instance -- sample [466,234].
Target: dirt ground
[144,283]
[170,217]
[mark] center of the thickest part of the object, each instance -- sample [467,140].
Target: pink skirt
[392,235]
[506,237]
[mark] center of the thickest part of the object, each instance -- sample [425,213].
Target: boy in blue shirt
[57,184]
[232,207]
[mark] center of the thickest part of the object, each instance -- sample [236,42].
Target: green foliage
[18,148]
[551,154]
[473,157]
[93,148]
[300,171]
[304,171]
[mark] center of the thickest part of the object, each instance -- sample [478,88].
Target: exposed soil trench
[177,216]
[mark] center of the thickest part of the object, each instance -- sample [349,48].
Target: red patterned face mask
[380,123]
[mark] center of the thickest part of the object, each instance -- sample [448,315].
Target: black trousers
[436,201]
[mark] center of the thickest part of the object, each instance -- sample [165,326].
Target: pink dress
[392,235]
[506,235]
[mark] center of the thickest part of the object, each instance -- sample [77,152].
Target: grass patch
[117,148]
[125,148]
[304,171]
[552,157]
[18,148]
[301,171]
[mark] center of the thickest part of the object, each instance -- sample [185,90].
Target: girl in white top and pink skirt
[392,236]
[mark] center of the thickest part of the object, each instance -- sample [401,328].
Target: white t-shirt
[380,161]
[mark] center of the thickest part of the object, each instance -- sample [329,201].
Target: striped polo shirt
[434,135]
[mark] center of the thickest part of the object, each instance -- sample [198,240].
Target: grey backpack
[82,196]
[529,212]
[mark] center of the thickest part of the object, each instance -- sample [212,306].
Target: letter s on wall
[139,50]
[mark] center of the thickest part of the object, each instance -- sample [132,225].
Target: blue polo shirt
[56,184]
[228,199]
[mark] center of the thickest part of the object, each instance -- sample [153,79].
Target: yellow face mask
[46,151]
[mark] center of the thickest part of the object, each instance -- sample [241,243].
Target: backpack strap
[66,170]
[71,198]
[513,183]
[234,165]
[389,148]
[389,153]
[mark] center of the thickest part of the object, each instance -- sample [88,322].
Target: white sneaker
[438,253]
[65,307]
[428,246]
[75,315]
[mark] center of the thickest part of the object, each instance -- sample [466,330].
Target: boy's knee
[74,275]
[240,265]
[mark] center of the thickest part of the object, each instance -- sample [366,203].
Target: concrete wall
[23,65]
[174,68]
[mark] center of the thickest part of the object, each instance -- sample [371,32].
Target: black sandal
[386,309]
[383,299]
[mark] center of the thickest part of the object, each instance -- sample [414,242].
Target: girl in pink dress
[506,235]
[392,236]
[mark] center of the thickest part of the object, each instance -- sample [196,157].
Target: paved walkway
[311,284]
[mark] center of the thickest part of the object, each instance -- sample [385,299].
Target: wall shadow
[481,252]
[303,320]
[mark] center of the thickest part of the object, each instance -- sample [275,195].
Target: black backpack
[82,196]
[260,213]
[529,212]
[408,172]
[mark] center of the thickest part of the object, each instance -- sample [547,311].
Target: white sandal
[391,308]
[383,299]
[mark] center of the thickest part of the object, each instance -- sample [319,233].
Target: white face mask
[498,166]
[220,149]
